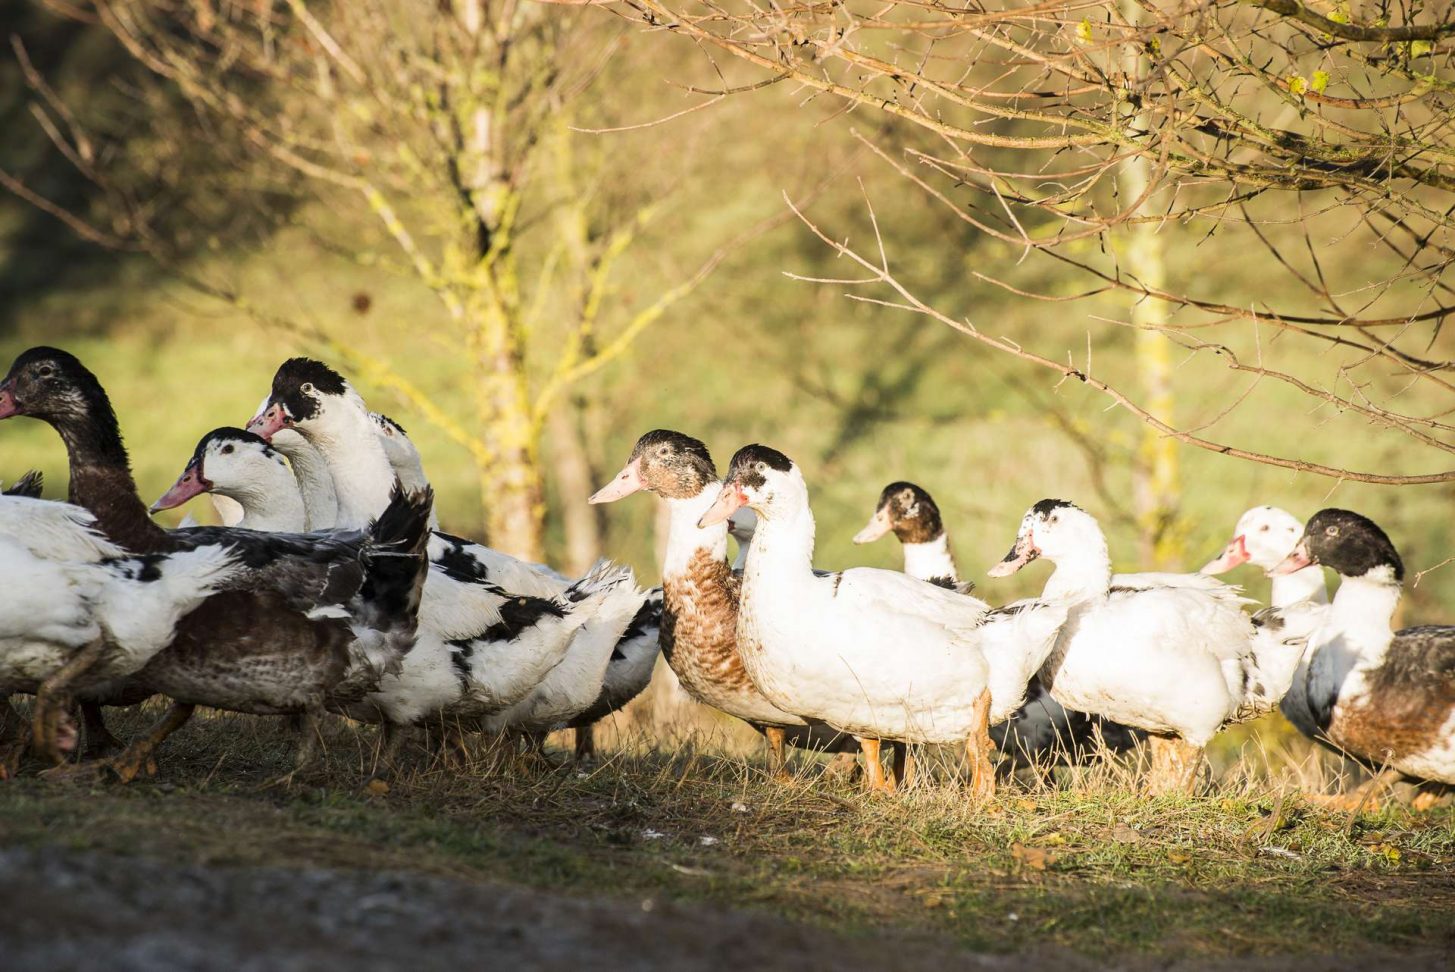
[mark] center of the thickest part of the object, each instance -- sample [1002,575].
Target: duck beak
[1234,554]
[1021,554]
[628,481]
[8,405]
[191,483]
[1296,561]
[728,502]
[878,526]
[269,422]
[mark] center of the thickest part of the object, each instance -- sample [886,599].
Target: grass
[1088,863]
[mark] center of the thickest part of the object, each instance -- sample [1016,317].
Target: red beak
[1296,561]
[269,422]
[191,483]
[1235,554]
[7,402]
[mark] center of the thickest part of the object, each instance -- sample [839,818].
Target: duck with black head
[701,593]
[1386,697]
[262,647]
[875,653]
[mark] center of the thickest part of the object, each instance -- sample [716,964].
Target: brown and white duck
[701,593]
[318,615]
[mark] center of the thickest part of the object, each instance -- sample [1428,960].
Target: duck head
[908,511]
[51,385]
[1349,544]
[227,460]
[303,395]
[404,457]
[1054,529]
[762,479]
[670,464]
[1264,536]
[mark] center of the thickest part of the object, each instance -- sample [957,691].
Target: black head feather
[912,513]
[1048,506]
[296,374]
[672,464]
[228,435]
[746,462]
[1350,544]
[55,387]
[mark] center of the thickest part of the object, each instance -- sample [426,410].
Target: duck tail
[396,560]
[29,485]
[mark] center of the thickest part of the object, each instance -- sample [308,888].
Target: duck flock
[331,591]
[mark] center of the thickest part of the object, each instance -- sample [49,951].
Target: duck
[1264,536]
[403,455]
[628,673]
[1385,697]
[312,614]
[875,653]
[1173,660]
[701,593]
[1042,732]
[311,398]
[241,466]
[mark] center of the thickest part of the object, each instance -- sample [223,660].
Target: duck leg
[307,725]
[135,759]
[1175,765]
[903,764]
[99,740]
[874,768]
[777,738]
[14,738]
[586,744]
[978,749]
[52,699]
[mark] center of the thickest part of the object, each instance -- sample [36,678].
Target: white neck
[362,476]
[1082,574]
[931,559]
[315,482]
[270,504]
[1364,608]
[1301,585]
[782,548]
[685,539]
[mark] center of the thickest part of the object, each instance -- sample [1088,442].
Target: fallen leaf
[1179,857]
[1035,858]
[1123,834]
[377,787]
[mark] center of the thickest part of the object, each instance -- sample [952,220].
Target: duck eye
[307,388]
[227,450]
[1332,531]
[1054,518]
[1263,528]
[45,371]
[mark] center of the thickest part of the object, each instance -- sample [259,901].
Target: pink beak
[878,526]
[1296,561]
[729,501]
[628,481]
[7,402]
[1021,554]
[1234,555]
[272,419]
[191,483]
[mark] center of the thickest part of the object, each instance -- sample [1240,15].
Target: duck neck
[685,539]
[931,559]
[1301,585]
[314,483]
[782,549]
[362,476]
[101,479]
[1364,607]
[1083,574]
[273,507]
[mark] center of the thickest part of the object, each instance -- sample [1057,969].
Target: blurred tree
[438,120]
[1074,129]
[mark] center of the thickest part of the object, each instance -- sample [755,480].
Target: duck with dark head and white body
[1042,732]
[1386,697]
[1264,536]
[871,652]
[701,593]
[1169,660]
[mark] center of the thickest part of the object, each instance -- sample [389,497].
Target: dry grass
[1088,861]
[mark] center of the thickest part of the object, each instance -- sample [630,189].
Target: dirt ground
[62,910]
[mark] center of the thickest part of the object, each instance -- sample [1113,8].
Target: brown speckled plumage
[699,630]
[1407,701]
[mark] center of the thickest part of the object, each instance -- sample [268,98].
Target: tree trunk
[576,478]
[510,477]
[1155,486]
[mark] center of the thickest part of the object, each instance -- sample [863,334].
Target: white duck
[1264,536]
[1042,731]
[699,637]
[403,456]
[242,467]
[871,652]
[564,678]
[1385,697]
[1170,660]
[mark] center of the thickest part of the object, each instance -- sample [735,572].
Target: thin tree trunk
[1155,481]
[576,477]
